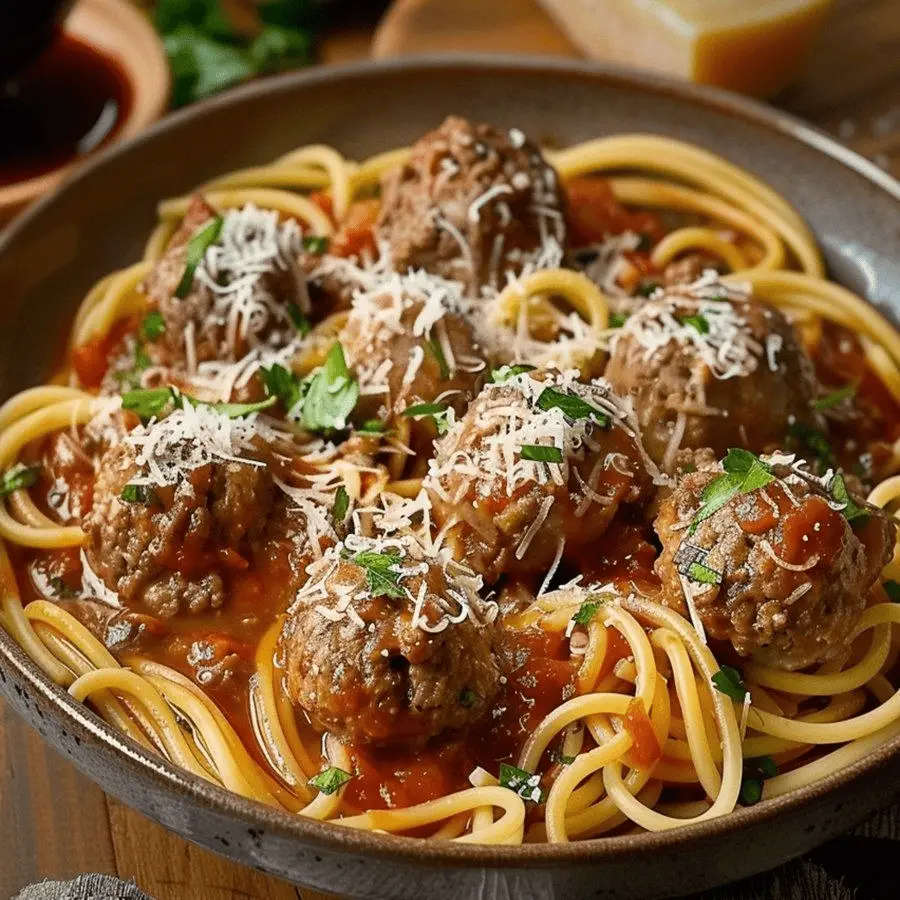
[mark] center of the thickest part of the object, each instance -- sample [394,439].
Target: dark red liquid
[67,103]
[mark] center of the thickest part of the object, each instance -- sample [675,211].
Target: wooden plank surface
[55,823]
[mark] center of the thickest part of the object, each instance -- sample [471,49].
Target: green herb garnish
[138,493]
[284,385]
[153,326]
[853,513]
[341,504]
[197,246]
[149,402]
[434,345]
[696,321]
[330,780]
[540,453]
[467,698]
[18,477]
[646,288]
[525,784]
[60,589]
[381,572]
[572,406]
[744,472]
[617,319]
[299,321]
[728,681]
[563,759]
[811,441]
[587,611]
[756,771]
[835,398]
[703,574]
[331,396]
[892,589]
[233,410]
[505,373]
[315,243]
[437,412]
[374,426]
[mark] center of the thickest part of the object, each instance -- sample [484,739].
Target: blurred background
[78,76]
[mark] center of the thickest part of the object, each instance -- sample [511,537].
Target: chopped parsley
[331,396]
[330,780]
[504,373]
[563,759]
[299,321]
[728,681]
[18,477]
[315,243]
[153,326]
[284,385]
[61,589]
[835,398]
[374,426]
[540,453]
[382,575]
[892,589]
[696,321]
[572,406]
[523,783]
[197,246]
[744,472]
[587,611]
[810,441]
[130,379]
[434,345]
[853,513]
[617,319]
[138,493]
[233,410]
[756,771]
[437,412]
[148,403]
[703,574]
[647,287]
[341,504]
[467,698]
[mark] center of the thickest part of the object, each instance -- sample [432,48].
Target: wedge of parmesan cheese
[755,48]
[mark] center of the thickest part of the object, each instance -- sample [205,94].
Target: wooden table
[54,823]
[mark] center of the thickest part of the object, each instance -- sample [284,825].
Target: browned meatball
[777,571]
[537,467]
[406,350]
[705,371]
[167,534]
[471,203]
[388,645]
[244,310]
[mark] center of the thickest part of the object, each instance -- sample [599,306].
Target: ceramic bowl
[99,220]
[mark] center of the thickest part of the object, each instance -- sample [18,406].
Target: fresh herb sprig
[744,473]
[382,572]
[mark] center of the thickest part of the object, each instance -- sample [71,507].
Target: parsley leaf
[438,412]
[892,589]
[572,406]
[276,49]
[728,681]
[617,319]
[18,477]
[331,396]
[697,321]
[703,574]
[587,611]
[756,771]
[434,345]
[744,472]
[540,453]
[315,244]
[138,493]
[341,504]
[300,322]
[557,756]
[646,288]
[525,784]
[201,241]
[287,387]
[467,698]
[504,373]
[374,426]
[153,326]
[330,780]
[835,398]
[147,403]
[61,589]
[233,410]
[382,575]
[751,791]
[851,510]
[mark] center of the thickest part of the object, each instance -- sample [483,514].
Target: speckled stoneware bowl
[99,221]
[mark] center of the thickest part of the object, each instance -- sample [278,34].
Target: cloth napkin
[856,866]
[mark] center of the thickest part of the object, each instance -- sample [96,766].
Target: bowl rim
[327,835]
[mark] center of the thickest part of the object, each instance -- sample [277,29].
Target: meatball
[386,644]
[406,348]
[174,518]
[706,371]
[470,204]
[536,469]
[782,571]
[241,294]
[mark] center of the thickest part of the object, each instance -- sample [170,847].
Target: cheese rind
[756,48]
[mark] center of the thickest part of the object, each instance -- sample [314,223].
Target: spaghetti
[600,703]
